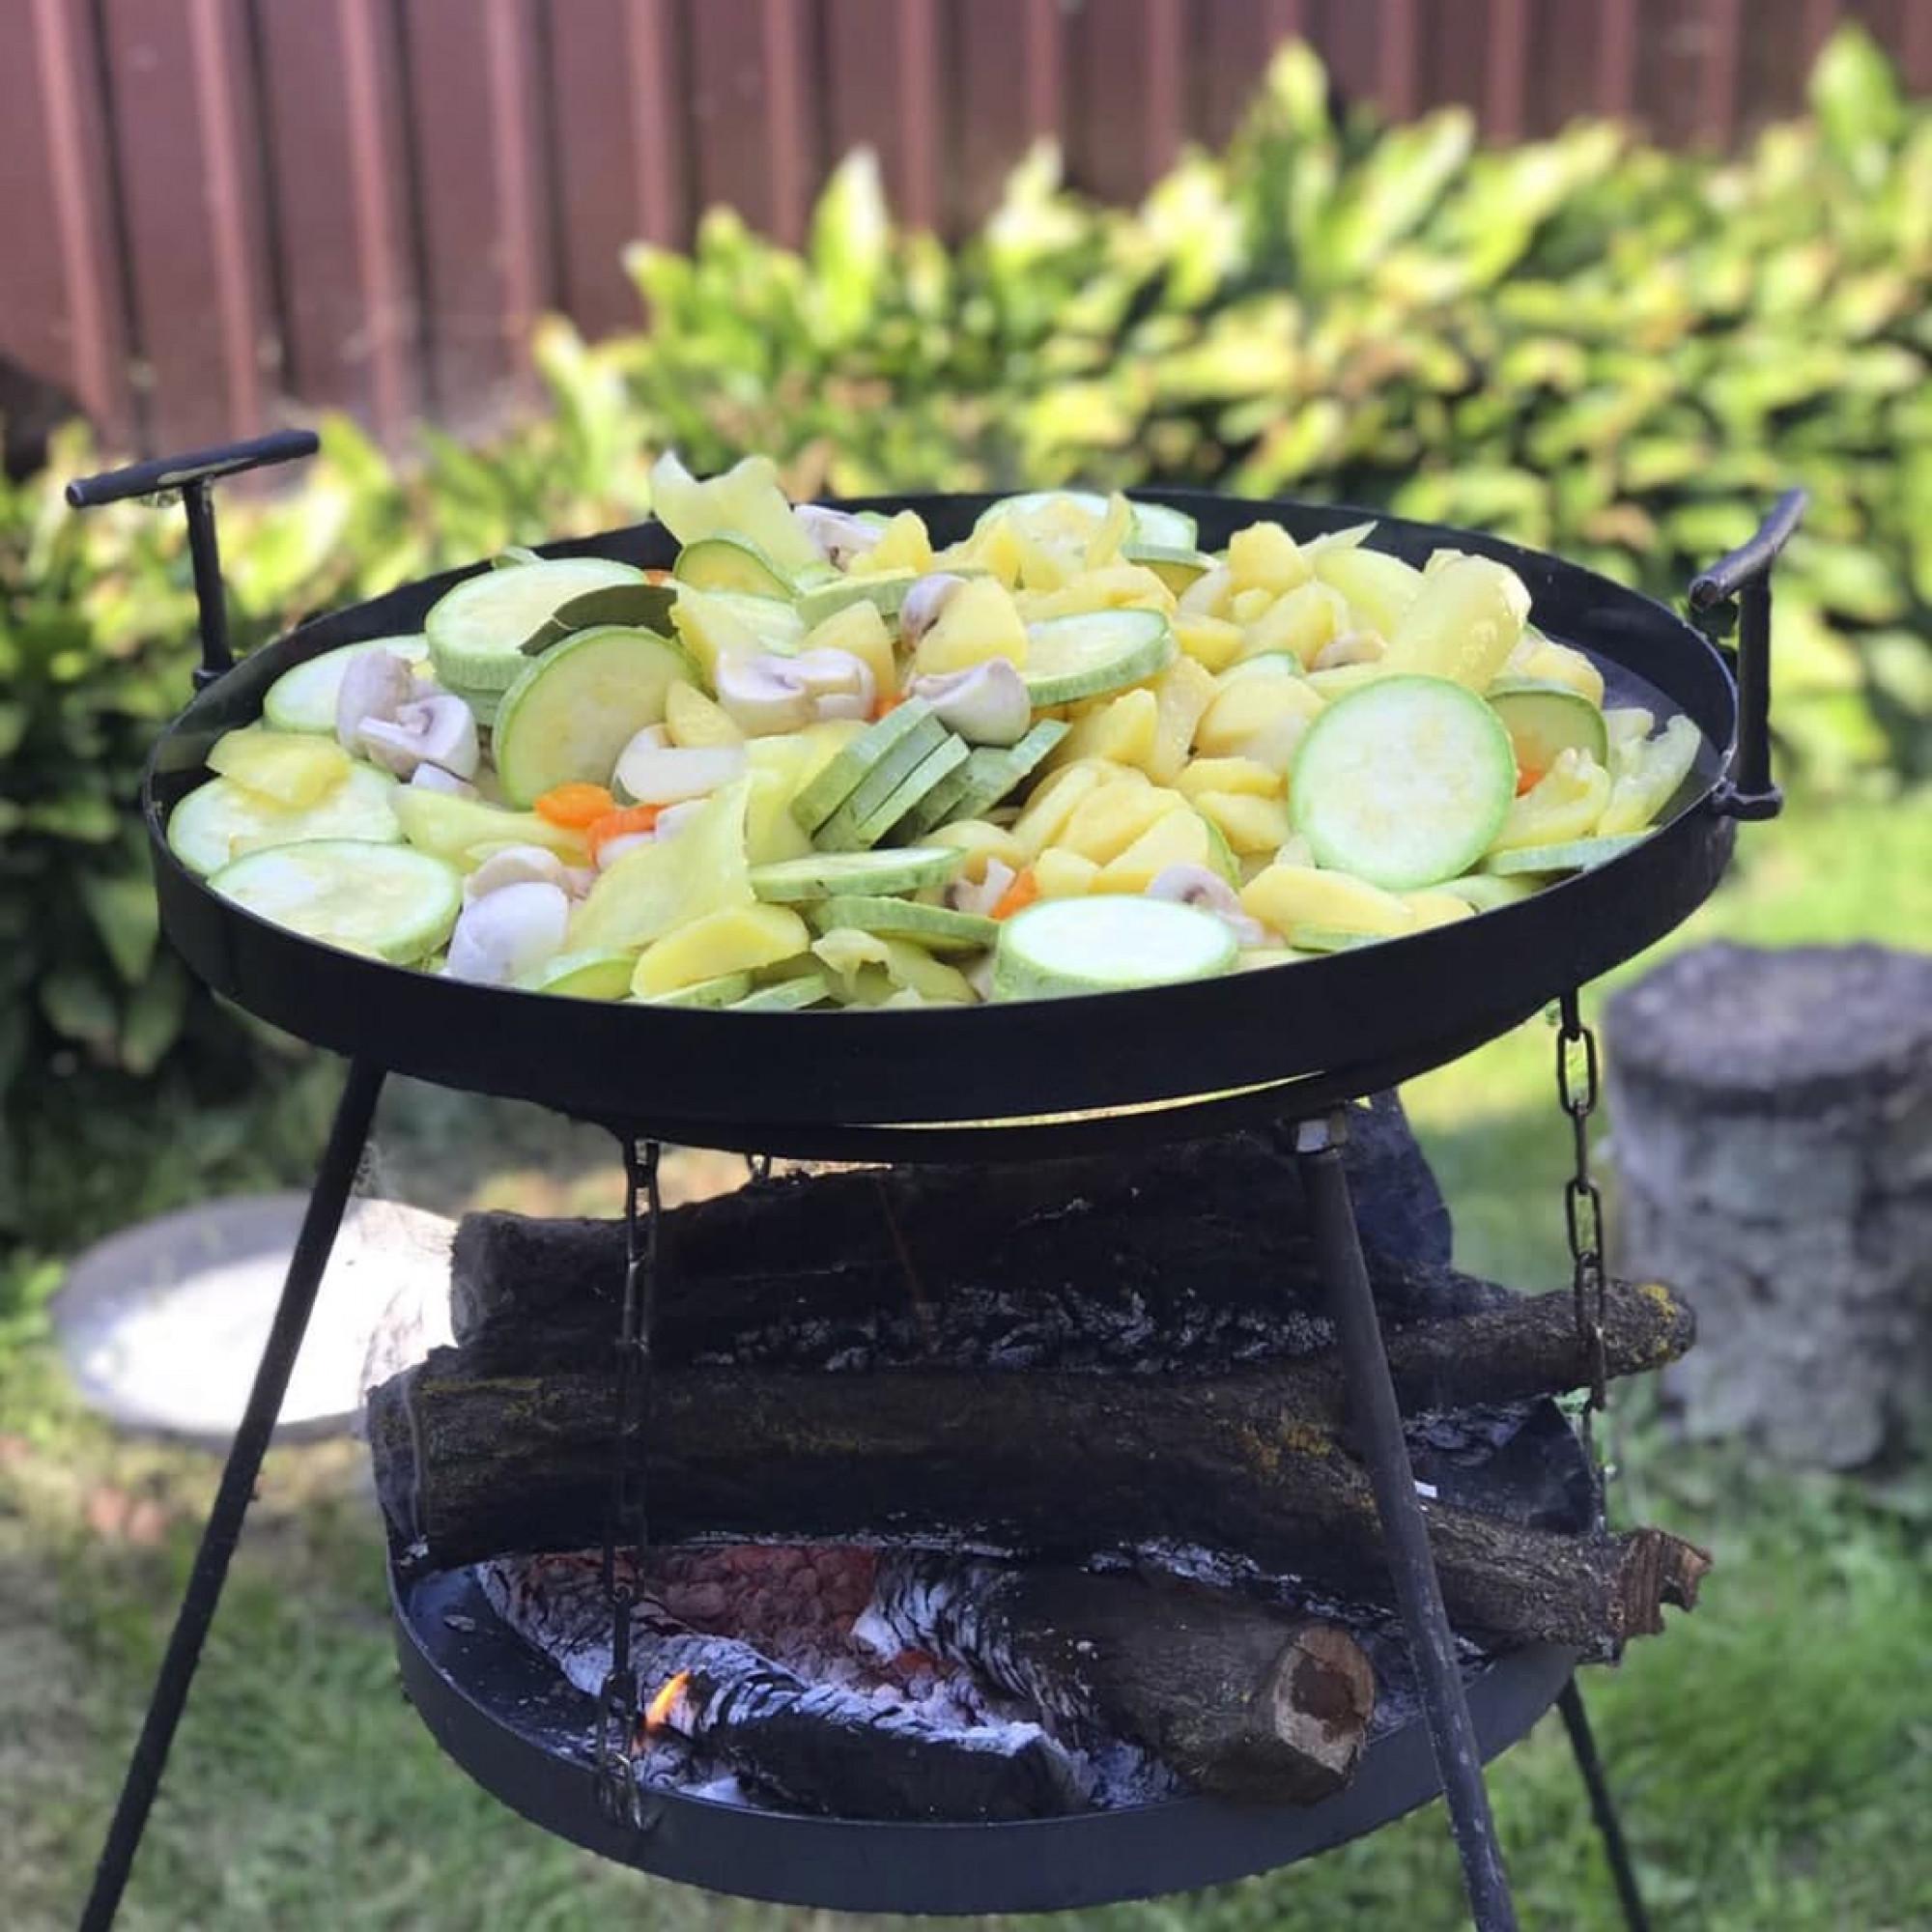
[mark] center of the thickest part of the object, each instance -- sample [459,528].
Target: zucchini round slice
[477,631]
[824,875]
[304,699]
[390,901]
[1154,525]
[573,709]
[219,821]
[1404,782]
[1568,855]
[730,563]
[1095,652]
[1060,947]
[786,996]
[1543,720]
[938,929]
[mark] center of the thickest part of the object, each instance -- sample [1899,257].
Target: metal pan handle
[1738,589]
[192,474]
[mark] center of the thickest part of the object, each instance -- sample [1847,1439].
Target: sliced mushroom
[430,730]
[765,694]
[841,685]
[1352,647]
[839,535]
[660,774]
[1197,886]
[986,703]
[924,601]
[506,934]
[376,685]
[515,865]
[433,777]
[964,894]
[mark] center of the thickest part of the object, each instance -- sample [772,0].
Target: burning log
[473,1458]
[1232,1697]
[813,1746]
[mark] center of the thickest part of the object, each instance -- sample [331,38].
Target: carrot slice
[575,804]
[1018,895]
[621,824]
[886,702]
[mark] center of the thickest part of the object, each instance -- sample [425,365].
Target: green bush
[1588,343]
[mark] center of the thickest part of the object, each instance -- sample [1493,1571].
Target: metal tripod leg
[1418,1594]
[1602,1807]
[333,1180]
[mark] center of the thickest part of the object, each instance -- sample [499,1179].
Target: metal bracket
[1736,590]
[190,475]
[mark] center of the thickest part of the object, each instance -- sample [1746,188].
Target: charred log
[812,1746]
[472,1459]
[1232,1697]
[1203,1248]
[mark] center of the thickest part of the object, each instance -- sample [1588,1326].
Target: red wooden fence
[214,214]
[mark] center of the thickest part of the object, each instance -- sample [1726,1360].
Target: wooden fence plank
[1007,61]
[882,91]
[615,68]
[190,183]
[1127,100]
[334,117]
[1234,40]
[62,304]
[749,107]
[474,119]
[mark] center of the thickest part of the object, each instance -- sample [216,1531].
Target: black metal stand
[1377,1422]
[334,1181]
[1602,1807]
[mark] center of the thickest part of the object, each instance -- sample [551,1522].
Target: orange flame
[657,1712]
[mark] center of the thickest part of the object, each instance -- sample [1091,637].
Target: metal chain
[1576,1089]
[619,1796]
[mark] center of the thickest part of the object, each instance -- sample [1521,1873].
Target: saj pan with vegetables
[823,763]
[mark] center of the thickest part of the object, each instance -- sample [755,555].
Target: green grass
[1774,1753]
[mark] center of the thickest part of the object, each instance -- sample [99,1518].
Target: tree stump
[1772,1147]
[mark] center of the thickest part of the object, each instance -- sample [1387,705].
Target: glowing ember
[657,1712]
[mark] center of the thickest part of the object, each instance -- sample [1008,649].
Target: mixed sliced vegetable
[825,762]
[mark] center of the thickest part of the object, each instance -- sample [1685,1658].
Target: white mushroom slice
[376,685]
[1352,647]
[668,774]
[424,685]
[839,535]
[1197,886]
[924,601]
[765,694]
[430,730]
[508,934]
[986,703]
[515,865]
[614,849]
[965,895]
[841,685]
[433,777]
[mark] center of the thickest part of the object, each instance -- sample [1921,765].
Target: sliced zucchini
[728,989]
[858,824]
[1153,524]
[838,780]
[988,775]
[479,631]
[1095,652]
[583,976]
[1336,939]
[1486,891]
[938,929]
[1404,783]
[1568,855]
[908,869]
[512,555]
[219,821]
[786,996]
[885,592]
[575,709]
[390,901]
[1544,718]
[1176,567]
[730,563]
[304,699]
[1060,947]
